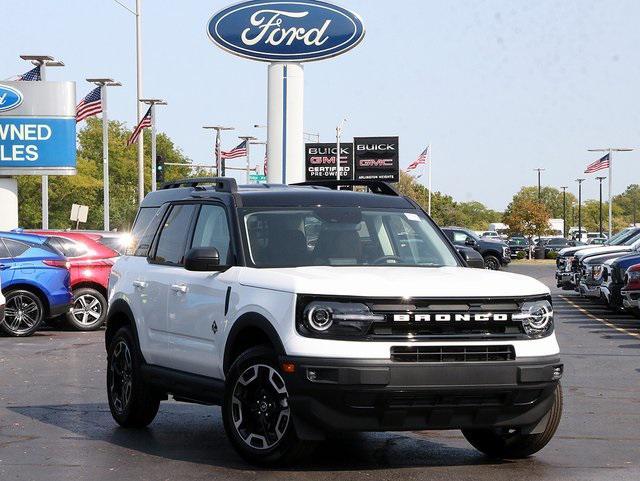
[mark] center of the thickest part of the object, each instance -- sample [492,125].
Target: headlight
[536,317]
[569,263]
[596,271]
[336,319]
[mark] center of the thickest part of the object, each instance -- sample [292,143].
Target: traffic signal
[159,169]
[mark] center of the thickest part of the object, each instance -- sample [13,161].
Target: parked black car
[518,244]
[495,253]
[556,244]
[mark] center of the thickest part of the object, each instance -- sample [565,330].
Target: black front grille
[452,353]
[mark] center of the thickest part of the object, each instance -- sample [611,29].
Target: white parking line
[603,321]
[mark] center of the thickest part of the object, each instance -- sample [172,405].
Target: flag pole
[429,161]
[610,182]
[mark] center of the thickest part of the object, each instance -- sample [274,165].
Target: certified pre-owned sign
[286,31]
[10,98]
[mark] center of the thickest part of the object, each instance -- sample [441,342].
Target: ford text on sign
[286,31]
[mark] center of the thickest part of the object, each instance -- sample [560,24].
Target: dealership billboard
[320,161]
[37,128]
[376,158]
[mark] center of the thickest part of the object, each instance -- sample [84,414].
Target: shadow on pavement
[195,434]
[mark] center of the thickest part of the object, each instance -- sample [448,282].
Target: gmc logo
[488,317]
[375,163]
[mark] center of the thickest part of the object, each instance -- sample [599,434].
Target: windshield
[343,236]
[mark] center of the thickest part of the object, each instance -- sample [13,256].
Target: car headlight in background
[341,319]
[536,317]
[596,271]
[569,263]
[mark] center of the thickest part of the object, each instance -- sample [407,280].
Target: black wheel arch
[120,315]
[250,330]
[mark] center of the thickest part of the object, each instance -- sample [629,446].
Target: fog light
[557,373]
[312,375]
[288,367]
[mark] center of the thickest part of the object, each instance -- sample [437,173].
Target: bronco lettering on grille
[479,317]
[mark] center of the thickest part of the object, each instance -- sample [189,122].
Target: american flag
[264,168]
[601,163]
[32,75]
[239,151]
[421,160]
[145,122]
[90,105]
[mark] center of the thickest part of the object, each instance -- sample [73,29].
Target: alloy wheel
[21,314]
[86,310]
[121,374]
[260,407]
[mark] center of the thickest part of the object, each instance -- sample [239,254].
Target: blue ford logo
[285,31]
[10,98]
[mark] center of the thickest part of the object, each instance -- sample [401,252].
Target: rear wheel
[492,263]
[23,313]
[636,312]
[513,443]
[256,412]
[132,402]
[88,311]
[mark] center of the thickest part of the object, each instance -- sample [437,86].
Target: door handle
[179,288]
[3,267]
[139,284]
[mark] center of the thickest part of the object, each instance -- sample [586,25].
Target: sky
[498,87]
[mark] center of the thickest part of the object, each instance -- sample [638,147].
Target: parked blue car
[35,282]
[618,269]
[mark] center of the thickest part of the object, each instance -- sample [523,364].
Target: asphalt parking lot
[55,422]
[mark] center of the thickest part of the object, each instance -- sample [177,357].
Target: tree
[86,187]
[551,197]
[527,217]
[628,202]
[591,216]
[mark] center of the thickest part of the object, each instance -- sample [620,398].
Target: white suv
[306,310]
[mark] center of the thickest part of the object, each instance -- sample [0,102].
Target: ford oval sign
[285,31]
[10,98]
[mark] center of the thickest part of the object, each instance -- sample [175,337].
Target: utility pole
[580,181]
[600,179]
[248,139]
[611,150]
[220,164]
[103,83]
[153,103]
[339,129]
[44,61]
[564,210]
[539,171]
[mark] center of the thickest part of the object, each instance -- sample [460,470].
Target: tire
[23,313]
[132,402]
[503,444]
[635,311]
[254,380]
[491,262]
[89,310]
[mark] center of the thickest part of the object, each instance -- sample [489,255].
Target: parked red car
[631,290]
[91,263]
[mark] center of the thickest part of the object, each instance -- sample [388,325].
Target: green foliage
[527,217]
[552,255]
[521,255]
[551,197]
[444,210]
[627,202]
[86,187]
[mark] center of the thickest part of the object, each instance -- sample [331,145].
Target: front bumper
[590,290]
[330,395]
[630,299]
[566,279]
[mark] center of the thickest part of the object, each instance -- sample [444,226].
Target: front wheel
[512,443]
[492,263]
[23,313]
[256,412]
[89,310]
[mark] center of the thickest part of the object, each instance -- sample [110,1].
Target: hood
[603,250]
[602,258]
[386,281]
[568,251]
[493,242]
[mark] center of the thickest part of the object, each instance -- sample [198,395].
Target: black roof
[272,195]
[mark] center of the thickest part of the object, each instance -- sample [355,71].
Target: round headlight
[320,318]
[539,316]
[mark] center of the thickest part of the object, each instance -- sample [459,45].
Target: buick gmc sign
[285,31]
[376,158]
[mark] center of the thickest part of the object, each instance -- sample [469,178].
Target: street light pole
[103,83]
[247,139]
[580,181]
[611,150]
[44,61]
[600,179]
[220,171]
[539,170]
[339,129]
[564,210]
[153,103]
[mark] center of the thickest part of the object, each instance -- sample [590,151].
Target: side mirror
[203,259]
[476,261]
[470,242]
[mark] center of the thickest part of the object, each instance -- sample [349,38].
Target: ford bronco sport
[306,310]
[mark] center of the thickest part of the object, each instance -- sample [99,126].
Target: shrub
[552,255]
[521,255]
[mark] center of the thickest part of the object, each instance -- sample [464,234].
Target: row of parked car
[55,275]
[609,273]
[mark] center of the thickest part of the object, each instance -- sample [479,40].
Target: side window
[141,242]
[4,252]
[14,247]
[459,237]
[212,230]
[67,247]
[173,236]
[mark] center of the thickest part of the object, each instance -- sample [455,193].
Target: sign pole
[610,184]
[429,161]
[153,147]
[45,178]
[138,95]
[218,154]
[105,159]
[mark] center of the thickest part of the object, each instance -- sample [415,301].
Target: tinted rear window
[16,248]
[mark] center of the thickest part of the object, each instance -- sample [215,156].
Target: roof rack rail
[375,186]
[221,184]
